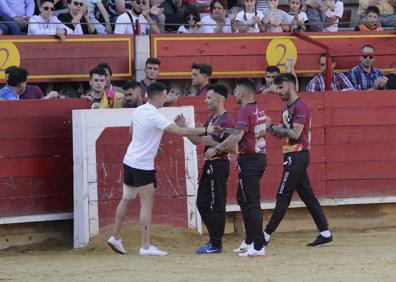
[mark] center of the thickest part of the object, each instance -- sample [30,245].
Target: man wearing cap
[365,76]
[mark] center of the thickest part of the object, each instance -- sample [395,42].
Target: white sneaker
[152,251]
[116,245]
[252,252]
[243,247]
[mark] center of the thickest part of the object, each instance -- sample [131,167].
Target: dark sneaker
[209,248]
[321,241]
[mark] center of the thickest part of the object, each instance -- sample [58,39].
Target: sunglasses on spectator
[368,56]
[191,18]
[46,8]
[141,2]
[78,3]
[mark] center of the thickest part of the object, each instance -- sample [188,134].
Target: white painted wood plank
[36,218]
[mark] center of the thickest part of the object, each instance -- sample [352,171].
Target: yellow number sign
[278,50]
[9,56]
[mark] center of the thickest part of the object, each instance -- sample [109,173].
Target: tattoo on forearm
[232,131]
[279,131]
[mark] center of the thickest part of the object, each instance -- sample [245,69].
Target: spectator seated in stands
[132,94]
[296,18]
[386,8]
[151,74]
[97,94]
[391,84]
[275,20]
[16,14]
[116,8]
[16,84]
[339,81]
[268,87]
[136,21]
[332,14]
[218,21]
[78,18]
[249,19]
[372,17]
[365,76]
[98,13]
[200,77]
[315,10]
[192,21]
[173,10]
[46,23]
[109,86]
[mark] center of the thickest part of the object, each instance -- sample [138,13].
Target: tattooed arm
[293,133]
[228,145]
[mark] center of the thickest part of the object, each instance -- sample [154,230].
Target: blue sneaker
[208,249]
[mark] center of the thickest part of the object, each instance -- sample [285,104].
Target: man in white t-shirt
[148,125]
[332,16]
[136,21]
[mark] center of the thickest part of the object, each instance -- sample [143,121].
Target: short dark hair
[367,46]
[155,89]
[324,55]
[106,66]
[223,3]
[203,68]
[372,9]
[7,70]
[248,84]
[130,84]
[98,71]
[272,69]
[153,61]
[218,89]
[43,1]
[16,76]
[285,77]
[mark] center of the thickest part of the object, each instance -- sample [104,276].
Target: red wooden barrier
[247,55]
[48,59]
[36,162]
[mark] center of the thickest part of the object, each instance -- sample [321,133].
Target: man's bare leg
[129,193]
[146,195]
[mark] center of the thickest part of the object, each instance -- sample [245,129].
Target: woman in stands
[192,21]
[275,20]
[249,19]
[218,21]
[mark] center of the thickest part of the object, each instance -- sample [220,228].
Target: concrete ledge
[36,218]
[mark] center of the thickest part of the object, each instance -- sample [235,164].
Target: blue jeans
[12,26]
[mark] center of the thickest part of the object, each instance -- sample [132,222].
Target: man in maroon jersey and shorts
[295,129]
[249,134]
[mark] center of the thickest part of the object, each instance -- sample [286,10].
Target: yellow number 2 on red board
[9,56]
[278,50]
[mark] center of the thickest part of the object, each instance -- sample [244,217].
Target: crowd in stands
[103,94]
[63,17]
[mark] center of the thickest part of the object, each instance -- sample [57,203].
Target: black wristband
[206,130]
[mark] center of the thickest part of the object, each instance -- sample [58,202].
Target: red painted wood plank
[36,166]
[361,170]
[35,147]
[359,116]
[382,98]
[42,108]
[360,134]
[360,188]
[360,152]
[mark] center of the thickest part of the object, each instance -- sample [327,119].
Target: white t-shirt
[123,24]
[337,11]
[302,17]
[148,125]
[209,24]
[183,29]
[280,16]
[38,26]
[249,19]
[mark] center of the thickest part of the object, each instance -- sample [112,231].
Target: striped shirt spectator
[363,80]
[339,82]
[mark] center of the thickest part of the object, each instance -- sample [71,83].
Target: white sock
[266,236]
[325,234]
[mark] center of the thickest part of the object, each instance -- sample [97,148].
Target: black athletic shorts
[139,177]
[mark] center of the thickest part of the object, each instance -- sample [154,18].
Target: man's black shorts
[139,177]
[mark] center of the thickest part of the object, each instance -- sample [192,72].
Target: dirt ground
[368,255]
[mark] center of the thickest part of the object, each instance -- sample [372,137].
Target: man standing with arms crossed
[147,127]
[295,130]
[249,134]
[212,189]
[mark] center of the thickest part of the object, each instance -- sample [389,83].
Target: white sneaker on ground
[243,247]
[252,252]
[152,251]
[116,245]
